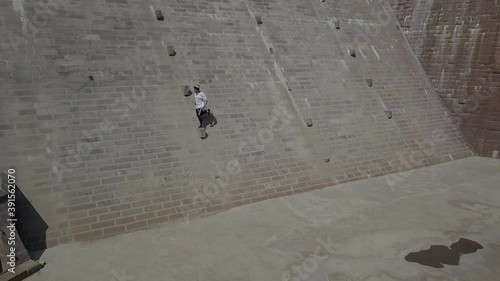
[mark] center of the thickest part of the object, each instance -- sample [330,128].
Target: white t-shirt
[200,98]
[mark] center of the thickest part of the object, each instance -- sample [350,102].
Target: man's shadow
[209,120]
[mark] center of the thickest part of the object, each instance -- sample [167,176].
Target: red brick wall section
[458,44]
[404,10]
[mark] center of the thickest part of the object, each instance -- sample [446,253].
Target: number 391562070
[11,180]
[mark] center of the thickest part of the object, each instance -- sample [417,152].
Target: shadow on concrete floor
[30,225]
[32,228]
[361,230]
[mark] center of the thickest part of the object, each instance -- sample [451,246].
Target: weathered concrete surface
[457,43]
[120,152]
[369,227]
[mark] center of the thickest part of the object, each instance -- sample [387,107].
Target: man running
[201,102]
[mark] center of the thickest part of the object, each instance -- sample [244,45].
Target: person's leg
[198,114]
[203,111]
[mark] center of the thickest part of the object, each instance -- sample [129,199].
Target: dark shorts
[200,112]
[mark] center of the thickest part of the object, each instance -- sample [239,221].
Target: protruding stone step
[186,91]
[159,15]
[23,271]
[389,114]
[258,19]
[369,81]
[352,53]
[171,51]
[202,133]
[337,24]
[308,122]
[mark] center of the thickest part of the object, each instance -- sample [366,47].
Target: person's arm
[205,101]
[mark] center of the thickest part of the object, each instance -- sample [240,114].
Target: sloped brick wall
[119,152]
[458,44]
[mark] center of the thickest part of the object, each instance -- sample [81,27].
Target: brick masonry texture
[458,44]
[121,152]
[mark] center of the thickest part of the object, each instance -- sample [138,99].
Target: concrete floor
[357,231]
